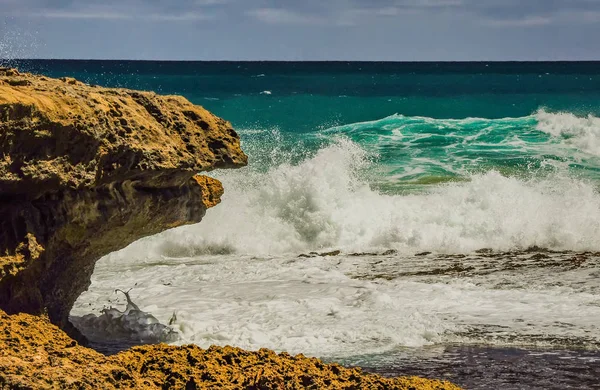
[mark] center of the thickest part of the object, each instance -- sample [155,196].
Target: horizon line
[296,61]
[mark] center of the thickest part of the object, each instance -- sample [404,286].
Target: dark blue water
[309,95]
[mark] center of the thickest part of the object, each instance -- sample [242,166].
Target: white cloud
[104,13]
[592,17]
[188,16]
[532,21]
[204,3]
[80,15]
[283,16]
[353,17]
[433,3]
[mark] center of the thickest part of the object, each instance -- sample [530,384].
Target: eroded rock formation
[85,171]
[36,354]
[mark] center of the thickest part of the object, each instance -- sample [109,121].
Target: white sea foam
[322,203]
[297,305]
[316,306]
[582,133]
[236,277]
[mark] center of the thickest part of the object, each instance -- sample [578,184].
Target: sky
[296,30]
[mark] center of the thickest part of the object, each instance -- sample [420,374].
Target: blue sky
[402,30]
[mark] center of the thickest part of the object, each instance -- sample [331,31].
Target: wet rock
[317,254]
[332,253]
[363,254]
[536,248]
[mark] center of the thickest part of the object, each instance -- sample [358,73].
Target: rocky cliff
[85,171]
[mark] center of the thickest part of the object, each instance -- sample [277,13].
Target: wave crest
[582,133]
[324,203]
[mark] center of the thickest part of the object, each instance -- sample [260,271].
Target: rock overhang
[86,170]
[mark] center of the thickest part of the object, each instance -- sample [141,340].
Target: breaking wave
[236,278]
[327,200]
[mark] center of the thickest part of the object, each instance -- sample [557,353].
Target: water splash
[16,42]
[580,133]
[129,326]
[325,203]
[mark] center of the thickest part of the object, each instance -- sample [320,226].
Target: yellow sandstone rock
[85,171]
[36,354]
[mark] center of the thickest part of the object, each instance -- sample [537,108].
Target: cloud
[579,13]
[532,21]
[357,16]
[431,3]
[322,29]
[207,3]
[283,16]
[506,12]
[188,16]
[344,12]
[496,13]
[154,10]
[79,15]
[590,17]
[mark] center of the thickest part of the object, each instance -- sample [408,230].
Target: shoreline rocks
[36,354]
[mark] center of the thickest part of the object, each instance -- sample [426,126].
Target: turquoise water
[421,123]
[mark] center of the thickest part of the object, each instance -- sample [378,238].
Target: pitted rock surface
[85,171]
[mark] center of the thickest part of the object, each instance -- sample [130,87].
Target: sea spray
[324,203]
[579,133]
[131,325]
[16,42]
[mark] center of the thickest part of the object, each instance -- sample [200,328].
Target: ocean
[436,219]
